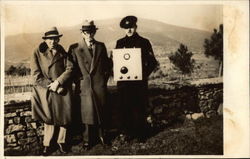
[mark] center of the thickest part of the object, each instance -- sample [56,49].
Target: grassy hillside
[164,38]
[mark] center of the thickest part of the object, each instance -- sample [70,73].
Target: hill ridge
[164,38]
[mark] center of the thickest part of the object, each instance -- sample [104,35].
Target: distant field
[17,84]
[17,80]
[204,68]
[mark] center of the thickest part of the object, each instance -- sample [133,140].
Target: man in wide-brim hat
[52,33]
[92,72]
[51,95]
[88,25]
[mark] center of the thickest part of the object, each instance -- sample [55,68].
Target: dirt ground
[203,136]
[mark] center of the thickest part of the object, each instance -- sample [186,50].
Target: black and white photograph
[124,78]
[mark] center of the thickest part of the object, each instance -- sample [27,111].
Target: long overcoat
[91,79]
[48,106]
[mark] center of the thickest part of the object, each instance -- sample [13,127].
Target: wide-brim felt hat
[52,33]
[128,22]
[88,25]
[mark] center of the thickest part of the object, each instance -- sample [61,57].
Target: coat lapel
[45,62]
[56,57]
[96,55]
[85,54]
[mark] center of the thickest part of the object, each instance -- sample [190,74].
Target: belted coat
[91,78]
[48,106]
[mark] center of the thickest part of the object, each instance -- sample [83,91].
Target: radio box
[127,64]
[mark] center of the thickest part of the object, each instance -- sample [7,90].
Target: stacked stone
[21,133]
[167,106]
[210,98]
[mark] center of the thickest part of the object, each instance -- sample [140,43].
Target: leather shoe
[45,151]
[102,140]
[125,138]
[62,148]
[86,146]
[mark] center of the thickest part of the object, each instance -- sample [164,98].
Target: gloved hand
[53,86]
[60,90]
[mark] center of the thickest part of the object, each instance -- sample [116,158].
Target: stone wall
[21,133]
[166,105]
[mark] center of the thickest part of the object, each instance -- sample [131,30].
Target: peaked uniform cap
[52,33]
[88,25]
[128,22]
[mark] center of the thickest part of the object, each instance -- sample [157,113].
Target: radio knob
[124,70]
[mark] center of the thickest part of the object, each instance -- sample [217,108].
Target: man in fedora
[133,94]
[51,95]
[92,73]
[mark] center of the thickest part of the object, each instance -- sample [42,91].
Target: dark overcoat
[91,79]
[133,94]
[48,106]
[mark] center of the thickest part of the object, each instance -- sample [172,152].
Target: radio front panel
[127,64]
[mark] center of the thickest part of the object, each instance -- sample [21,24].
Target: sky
[36,17]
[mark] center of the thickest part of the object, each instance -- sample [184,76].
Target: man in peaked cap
[133,94]
[51,95]
[92,73]
[128,22]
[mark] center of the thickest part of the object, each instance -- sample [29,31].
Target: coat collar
[44,49]
[135,36]
[88,43]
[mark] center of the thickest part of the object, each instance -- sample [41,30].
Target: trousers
[92,133]
[49,132]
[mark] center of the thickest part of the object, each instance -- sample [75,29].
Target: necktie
[53,52]
[91,49]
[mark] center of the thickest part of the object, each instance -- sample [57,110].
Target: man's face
[52,42]
[88,35]
[130,31]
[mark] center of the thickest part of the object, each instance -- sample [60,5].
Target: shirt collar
[133,36]
[90,42]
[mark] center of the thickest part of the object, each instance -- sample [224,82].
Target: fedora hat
[52,33]
[88,25]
